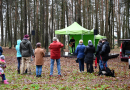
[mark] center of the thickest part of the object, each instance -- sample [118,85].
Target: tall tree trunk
[37,21]
[25,17]
[46,36]
[79,13]
[43,25]
[21,23]
[16,22]
[106,22]
[9,37]
[1,22]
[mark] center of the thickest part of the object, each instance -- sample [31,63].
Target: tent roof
[99,37]
[74,28]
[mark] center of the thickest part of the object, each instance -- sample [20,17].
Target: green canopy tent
[78,32]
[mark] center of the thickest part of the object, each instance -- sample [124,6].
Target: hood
[24,41]
[90,44]
[80,44]
[18,42]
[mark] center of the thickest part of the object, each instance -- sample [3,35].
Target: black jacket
[89,53]
[26,48]
[99,48]
[105,51]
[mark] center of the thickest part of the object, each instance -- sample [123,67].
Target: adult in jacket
[55,54]
[80,55]
[17,47]
[89,54]
[26,52]
[104,53]
[39,54]
[99,48]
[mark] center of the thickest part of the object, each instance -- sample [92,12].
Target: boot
[5,82]
[18,71]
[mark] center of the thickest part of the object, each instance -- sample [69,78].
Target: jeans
[38,69]
[102,64]
[52,65]
[89,67]
[3,77]
[81,64]
[24,60]
[73,49]
[19,59]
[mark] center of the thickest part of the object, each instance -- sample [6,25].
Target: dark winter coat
[105,51]
[1,50]
[89,53]
[26,48]
[80,51]
[99,48]
[55,49]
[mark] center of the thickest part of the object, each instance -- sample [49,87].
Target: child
[17,47]
[2,66]
[39,54]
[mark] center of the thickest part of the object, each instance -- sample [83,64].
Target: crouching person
[39,54]
[2,67]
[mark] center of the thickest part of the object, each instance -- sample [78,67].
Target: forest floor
[71,78]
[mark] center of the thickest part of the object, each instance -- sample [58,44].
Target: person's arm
[61,45]
[31,50]
[43,53]
[103,49]
[1,49]
[85,51]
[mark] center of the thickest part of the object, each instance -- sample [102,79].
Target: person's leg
[3,77]
[40,70]
[36,70]
[23,65]
[19,59]
[80,65]
[101,64]
[91,68]
[51,66]
[87,65]
[28,59]
[58,66]
[72,49]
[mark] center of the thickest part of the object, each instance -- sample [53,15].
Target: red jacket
[55,49]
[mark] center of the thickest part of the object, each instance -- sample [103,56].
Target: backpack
[106,71]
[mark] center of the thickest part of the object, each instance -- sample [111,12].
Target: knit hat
[2,57]
[38,44]
[89,41]
[26,36]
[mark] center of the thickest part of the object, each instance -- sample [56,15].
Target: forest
[19,17]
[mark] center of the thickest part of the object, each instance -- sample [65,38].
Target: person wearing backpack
[104,54]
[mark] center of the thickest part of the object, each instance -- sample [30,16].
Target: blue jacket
[80,51]
[1,50]
[17,47]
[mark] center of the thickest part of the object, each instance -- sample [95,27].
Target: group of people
[25,52]
[86,54]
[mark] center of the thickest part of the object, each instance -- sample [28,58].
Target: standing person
[55,54]
[99,48]
[72,44]
[17,47]
[89,54]
[26,52]
[80,55]
[39,54]
[2,67]
[104,53]
[1,50]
